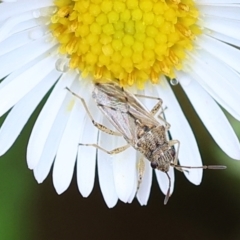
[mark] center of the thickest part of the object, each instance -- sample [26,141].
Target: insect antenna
[168,192]
[214,167]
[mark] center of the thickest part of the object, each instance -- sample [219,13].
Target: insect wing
[112,103]
[138,111]
[123,110]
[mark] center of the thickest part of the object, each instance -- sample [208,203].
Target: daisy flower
[47,45]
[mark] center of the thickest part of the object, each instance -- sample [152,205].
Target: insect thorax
[153,144]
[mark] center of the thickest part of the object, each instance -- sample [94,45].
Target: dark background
[34,212]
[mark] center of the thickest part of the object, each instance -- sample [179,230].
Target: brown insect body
[136,124]
[155,147]
[138,127]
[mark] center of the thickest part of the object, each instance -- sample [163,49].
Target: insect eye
[154,165]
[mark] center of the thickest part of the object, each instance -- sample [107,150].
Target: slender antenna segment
[168,192]
[217,167]
[214,167]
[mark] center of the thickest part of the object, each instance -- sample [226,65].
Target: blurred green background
[29,211]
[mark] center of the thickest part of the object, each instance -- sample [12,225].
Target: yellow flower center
[129,40]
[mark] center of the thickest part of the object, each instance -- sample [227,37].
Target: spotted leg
[98,125]
[156,108]
[175,162]
[114,151]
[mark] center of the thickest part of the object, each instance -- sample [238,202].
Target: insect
[138,126]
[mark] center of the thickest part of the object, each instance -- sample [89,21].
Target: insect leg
[167,125]
[98,125]
[114,151]
[169,188]
[140,170]
[156,108]
[175,162]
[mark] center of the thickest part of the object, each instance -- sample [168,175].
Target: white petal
[180,130]
[24,55]
[11,77]
[223,38]
[105,169]
[124,170]
[145,186]
[212,2]
[42,169]
[228,76]
[228,54]
[9,0]
[13,21]
[22,111]
[134,192]
[20,39]
[163,180]
[228,27]
[46,119]
[67,151]
[212,116]
[223,11]
[220,89]
[23,26]
[24,83]
[22,6]
[86,160]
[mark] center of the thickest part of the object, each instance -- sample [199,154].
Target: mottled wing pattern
[123,110]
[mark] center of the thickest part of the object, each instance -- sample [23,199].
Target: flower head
[50,45]
[132,41]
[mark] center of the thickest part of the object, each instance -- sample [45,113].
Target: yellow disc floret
[129,40]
